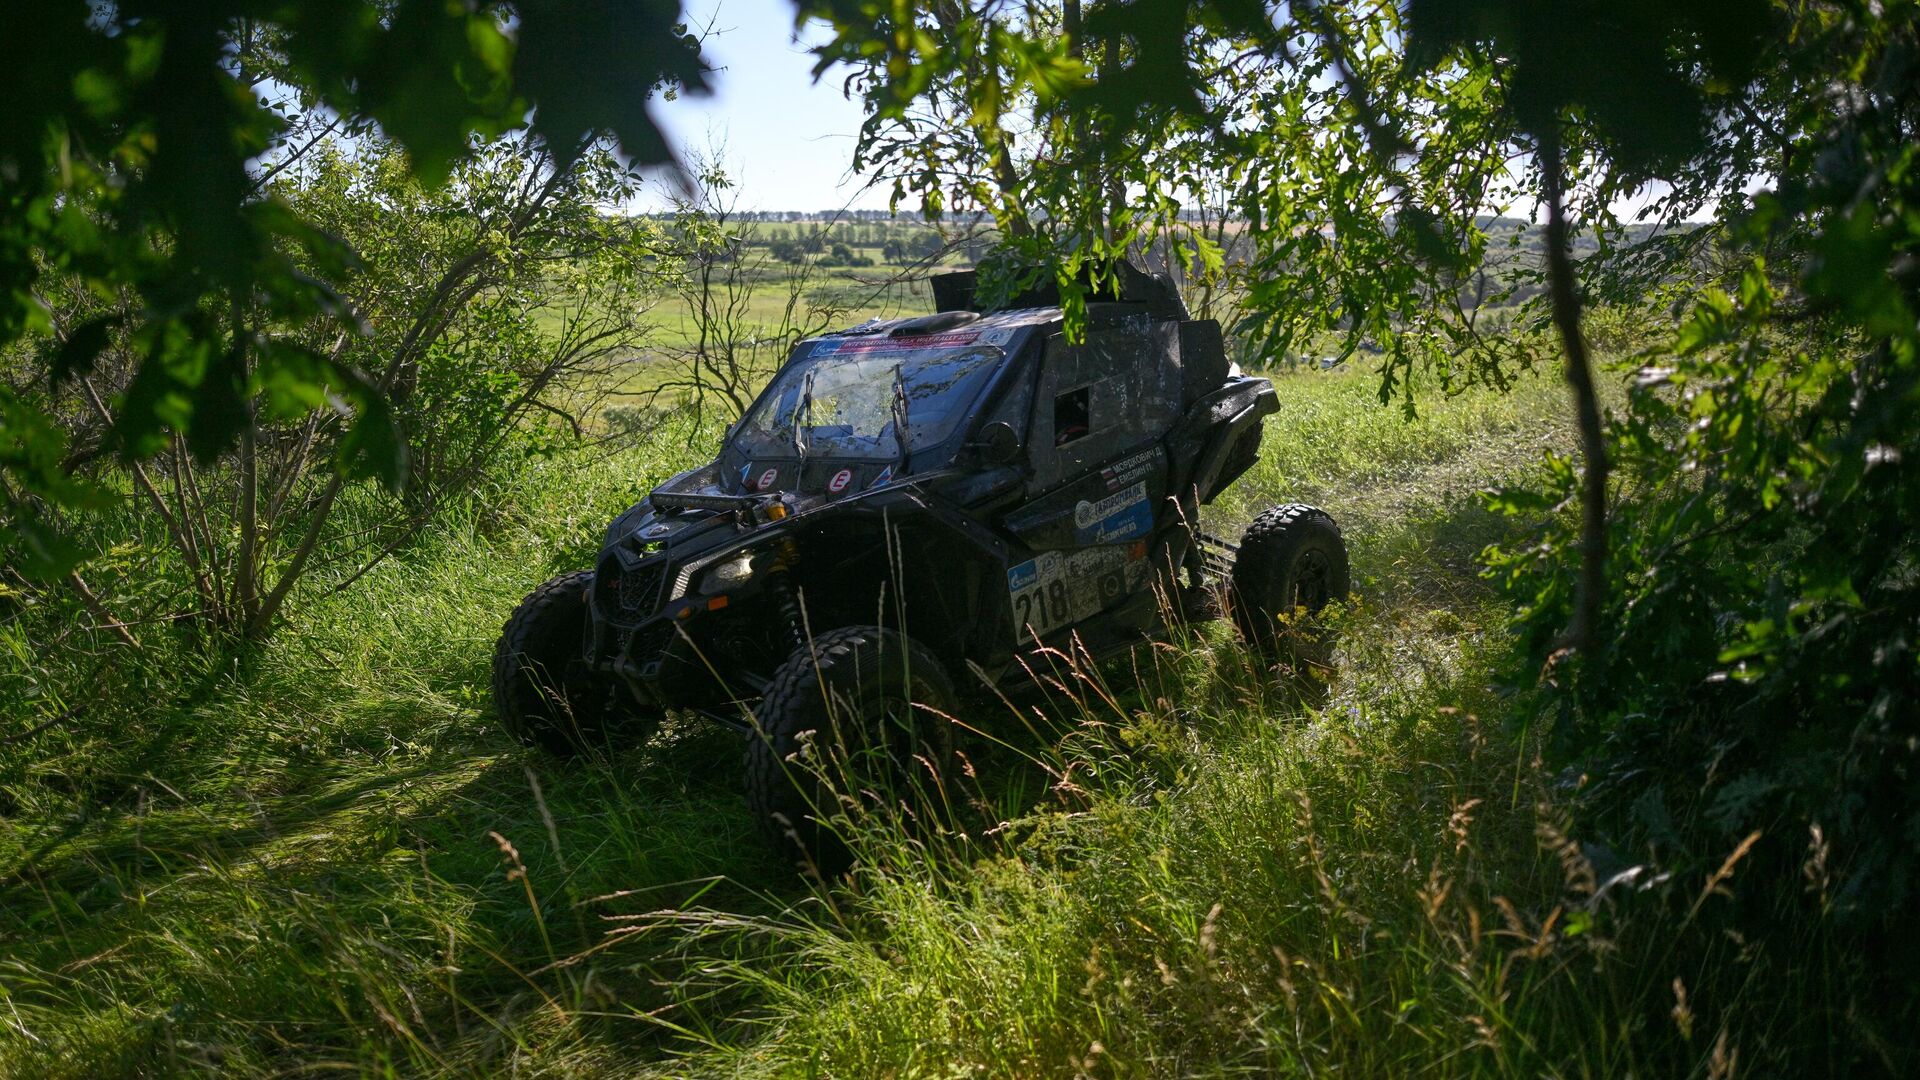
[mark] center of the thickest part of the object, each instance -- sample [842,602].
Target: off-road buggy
[910,512]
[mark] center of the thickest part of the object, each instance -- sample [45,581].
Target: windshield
[852,397]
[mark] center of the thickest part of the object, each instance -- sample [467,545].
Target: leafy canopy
[134,153]
[1364,145]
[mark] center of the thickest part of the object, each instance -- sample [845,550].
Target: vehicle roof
[980,329]
[990,328]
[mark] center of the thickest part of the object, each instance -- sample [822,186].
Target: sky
[786,140]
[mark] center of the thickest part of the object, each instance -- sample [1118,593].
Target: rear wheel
[853,724]
[545,692]
[1292,563]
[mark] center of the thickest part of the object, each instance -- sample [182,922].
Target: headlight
[727,574]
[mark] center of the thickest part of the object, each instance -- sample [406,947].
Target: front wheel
[854,723]
[545,692]
[1292,563]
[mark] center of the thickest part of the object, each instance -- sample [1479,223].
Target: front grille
[640,589]
[630,594]
[650,641]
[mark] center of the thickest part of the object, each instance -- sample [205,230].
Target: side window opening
[1072,417]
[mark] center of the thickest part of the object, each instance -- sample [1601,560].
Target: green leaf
[292,379]
[82,347]
[44,553]
[373,446]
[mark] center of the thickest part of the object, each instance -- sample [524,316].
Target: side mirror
[998,443]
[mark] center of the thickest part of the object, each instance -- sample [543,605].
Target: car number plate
[1058,588]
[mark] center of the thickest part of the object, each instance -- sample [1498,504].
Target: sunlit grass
[293,861]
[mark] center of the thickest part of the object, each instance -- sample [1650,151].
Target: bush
[1757,673]
[1759,669]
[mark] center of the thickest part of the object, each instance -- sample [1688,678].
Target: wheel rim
[889,728]
[877,747]
[1312,581]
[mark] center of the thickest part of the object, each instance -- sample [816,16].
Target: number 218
[1044,605]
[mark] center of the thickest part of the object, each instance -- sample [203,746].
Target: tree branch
[1591,587]
[107,619]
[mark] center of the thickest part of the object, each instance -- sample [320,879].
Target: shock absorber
[786,553]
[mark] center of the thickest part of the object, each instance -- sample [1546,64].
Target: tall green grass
[1381,887]
[326,855]
[252,860]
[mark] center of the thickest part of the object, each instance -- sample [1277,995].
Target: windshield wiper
[803,419]
[900,408]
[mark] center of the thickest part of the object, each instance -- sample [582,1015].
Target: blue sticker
[1124,515]
[1132,523]
[1019,577]
[885,478]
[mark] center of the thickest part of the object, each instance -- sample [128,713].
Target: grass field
[833,296]
[327,855]
[773,302]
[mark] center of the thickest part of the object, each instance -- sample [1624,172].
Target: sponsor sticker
[1088,514]
[1124,515]
[1133,523]
[883,343]
[766,479]
[1024,575]
[840,481]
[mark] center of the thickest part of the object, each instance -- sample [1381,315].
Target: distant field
[828,297]
[770,302]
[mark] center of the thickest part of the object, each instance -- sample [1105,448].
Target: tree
[498,296]
[1758,671]
[926,243]
[1730,647]
[138,146]
[729,350]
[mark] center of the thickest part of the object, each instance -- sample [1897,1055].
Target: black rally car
[909,510]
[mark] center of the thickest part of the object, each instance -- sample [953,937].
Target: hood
[644,529]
